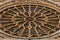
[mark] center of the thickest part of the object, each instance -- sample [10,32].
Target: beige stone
[2,0]
[56,0]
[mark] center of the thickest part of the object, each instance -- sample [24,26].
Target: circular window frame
[46,4]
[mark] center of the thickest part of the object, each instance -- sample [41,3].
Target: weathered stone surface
[43,20]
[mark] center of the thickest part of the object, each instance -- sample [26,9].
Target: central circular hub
[30,19]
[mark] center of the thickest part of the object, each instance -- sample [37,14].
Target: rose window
[29,21]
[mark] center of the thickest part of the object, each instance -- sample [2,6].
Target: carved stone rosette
[29,19]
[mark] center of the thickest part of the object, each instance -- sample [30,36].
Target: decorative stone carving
[29,19]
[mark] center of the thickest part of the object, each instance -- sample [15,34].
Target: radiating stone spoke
[50,28]
[38,22]
[35,8]
[17,10]
[12,11]
[29,11]
[20,11]
[6,22]
[49,14]
[36,32]
[54,11]
[11,25]
[41,10]
[29,8]
[29,32]
[20,23]
[16,29]
[23,8]
[8,14]
[19,30]
[22,31]
[19,19]
[37,14]
[43,30]
[29,25]
[52,22]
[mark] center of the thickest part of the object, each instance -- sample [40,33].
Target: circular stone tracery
[29,21]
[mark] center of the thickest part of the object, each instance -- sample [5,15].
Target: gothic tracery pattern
[29,21]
